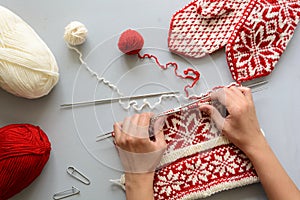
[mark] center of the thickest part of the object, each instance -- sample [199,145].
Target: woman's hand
[139,155]
[241,126]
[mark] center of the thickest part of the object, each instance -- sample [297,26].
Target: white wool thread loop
[120,182]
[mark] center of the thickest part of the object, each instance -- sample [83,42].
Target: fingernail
[203,109]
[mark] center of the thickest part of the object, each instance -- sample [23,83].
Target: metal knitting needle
[103,101]
[254,85]
[109,134]
[104,136]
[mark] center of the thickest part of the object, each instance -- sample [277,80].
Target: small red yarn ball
[24,151]
[131,42]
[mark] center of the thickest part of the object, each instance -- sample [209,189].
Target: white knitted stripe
[190,150]
[213,189]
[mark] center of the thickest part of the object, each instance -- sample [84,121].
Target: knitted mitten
[204,26]
[257,44]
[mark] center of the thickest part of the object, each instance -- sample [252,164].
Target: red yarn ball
[24,151]
[131,42]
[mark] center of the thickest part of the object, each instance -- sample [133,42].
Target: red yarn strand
[194,78]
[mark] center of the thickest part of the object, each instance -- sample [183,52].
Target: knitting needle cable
[111,100]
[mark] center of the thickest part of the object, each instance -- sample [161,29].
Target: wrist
[258,147]
[139,186]
[139,180]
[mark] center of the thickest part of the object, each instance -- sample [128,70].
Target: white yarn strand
[27,66]
[93,73]
[131,104]
[120,182]
[134,104]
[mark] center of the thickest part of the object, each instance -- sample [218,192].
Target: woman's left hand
[137,152]
[139,155]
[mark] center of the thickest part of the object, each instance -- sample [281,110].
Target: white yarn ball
[75,33]
[27,66]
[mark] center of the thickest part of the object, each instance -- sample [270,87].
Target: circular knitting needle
[103,101]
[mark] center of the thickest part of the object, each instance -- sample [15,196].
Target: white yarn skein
[27,66]
[75,33]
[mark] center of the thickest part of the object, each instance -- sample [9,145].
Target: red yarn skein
[24,151]
[131,42]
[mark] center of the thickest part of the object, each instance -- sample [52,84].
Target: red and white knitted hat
[257,44]
[204,26]
[199,160]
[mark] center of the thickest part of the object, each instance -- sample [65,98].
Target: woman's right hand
[240,126]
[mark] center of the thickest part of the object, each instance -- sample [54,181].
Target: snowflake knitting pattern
[204,174]
[256,46]
[188,128]
[199,160]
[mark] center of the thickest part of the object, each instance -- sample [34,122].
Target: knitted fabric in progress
[204,26]
[199,160]
[256,45]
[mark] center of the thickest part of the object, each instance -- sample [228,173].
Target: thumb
[160,139]
[214,114]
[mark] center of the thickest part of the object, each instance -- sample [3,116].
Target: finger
[117,125]
[227,97]
[126,125]
[160,139]
[160,123]
[247,93]
[133,125]
[144,119]
[219,95]
[117,131]
[134,120]
[214,114]
[143,125]
[237,92]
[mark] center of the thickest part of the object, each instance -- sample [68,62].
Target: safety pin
[78,175]
[256,85]
[66,193]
